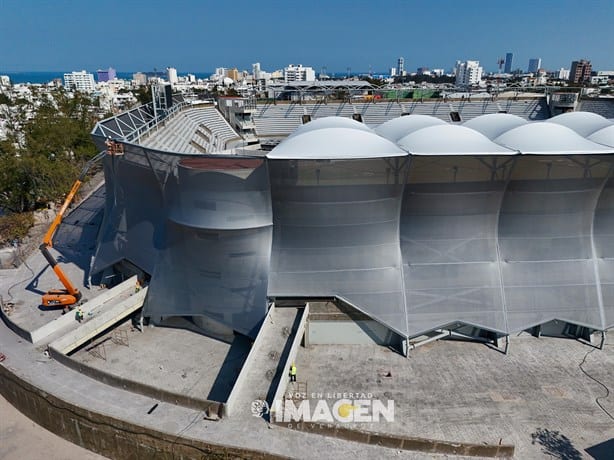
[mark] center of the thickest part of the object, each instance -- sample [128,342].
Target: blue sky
[197,36]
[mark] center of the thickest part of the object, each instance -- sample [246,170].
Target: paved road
[22,439]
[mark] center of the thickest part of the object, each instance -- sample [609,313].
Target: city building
[298,73]
[393,71]
[509,57]
[79,81]
[233,74]
[468,73]
[562,74]
[171,74]
[401,66]
[256,71]
[534,65]
[139,79]
[106,75]
[580,71]
[5,80]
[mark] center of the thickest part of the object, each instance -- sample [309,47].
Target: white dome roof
[330,122]
[583,123]
[449,139]
[493,125]
[335,143]
[548,138]
[604,136]
[400,127]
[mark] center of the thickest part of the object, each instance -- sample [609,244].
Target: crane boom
[70,294]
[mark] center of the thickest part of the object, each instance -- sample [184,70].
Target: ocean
[45,77]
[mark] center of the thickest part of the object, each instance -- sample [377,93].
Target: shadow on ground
[555,444]
[230,369]
[602,451]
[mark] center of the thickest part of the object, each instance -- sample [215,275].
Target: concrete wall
[108,436]
[296,343]
[350,332]
[406,443]
[230,405]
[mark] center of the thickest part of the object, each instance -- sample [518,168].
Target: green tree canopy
[53,147]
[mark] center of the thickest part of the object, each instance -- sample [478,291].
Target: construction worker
[79,314]
[293,373]
[137,288]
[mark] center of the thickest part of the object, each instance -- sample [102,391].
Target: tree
[143,94]
[55,145]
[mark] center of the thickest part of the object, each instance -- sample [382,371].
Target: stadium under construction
[388,248]
[486,227]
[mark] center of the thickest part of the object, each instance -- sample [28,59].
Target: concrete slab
[74,245]
[24,360]
[176,360]
[467,392]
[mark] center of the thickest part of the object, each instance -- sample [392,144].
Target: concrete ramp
[61,325]
[266,363]
[99,321]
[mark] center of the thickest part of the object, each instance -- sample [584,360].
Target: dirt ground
[22,439]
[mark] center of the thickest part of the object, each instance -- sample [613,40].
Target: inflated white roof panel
[583,123]
[449,139]
[335,143]
[493,125]
[330,122]
[549,138]
[400,127]
[604,136]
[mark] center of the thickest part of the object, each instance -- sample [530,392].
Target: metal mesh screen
[219,274]
[133,226]
[502,243]
[336,233]
[448,240]
[604,249]
[545,238]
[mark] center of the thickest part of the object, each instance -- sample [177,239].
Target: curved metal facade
[503,242]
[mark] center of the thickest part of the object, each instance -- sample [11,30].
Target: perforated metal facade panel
[417,242]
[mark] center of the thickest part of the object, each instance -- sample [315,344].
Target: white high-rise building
[563,74]
[468,73]
[171,74]
[299,73]
[79,81]
[256,71]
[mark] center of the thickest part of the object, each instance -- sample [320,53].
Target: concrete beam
[103,321]
[67,320]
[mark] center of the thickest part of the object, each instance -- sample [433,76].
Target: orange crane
[70,295]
